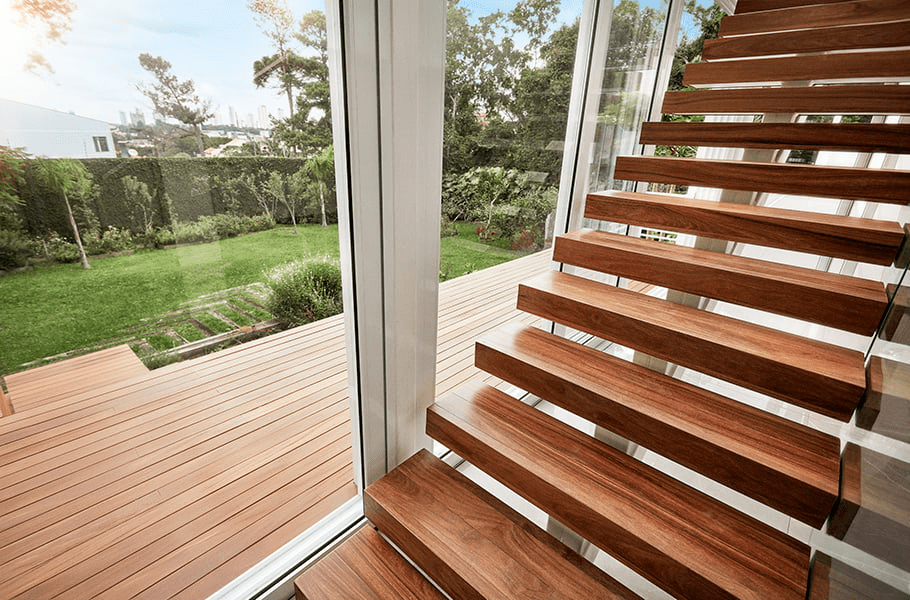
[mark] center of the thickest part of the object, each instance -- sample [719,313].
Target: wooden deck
[172,483]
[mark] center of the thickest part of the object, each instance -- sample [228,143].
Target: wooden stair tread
[873,512]
[684,541]
[471,544]
[814,15]
[790,467]
[364,567]
[855,137]
[852,183]
[876,64]
[886,406]
[847,37]
[824,99]
[821,377]
[746,6]
[830,299]
[851,238]
[833,580]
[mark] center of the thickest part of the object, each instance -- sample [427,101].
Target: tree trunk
[198,132]
[82,256]
[322,205]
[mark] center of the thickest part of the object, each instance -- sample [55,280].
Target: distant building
[263,117]
[232,116]
[137,118]
[46,132]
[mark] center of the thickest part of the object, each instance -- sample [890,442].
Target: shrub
[14,250]
[107,242]
[56,248]
[304,291]
[202,230]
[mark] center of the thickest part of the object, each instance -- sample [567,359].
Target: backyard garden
[159,265]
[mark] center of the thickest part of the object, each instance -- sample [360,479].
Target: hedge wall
[186,182]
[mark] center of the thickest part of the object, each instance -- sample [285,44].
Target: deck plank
[173,482]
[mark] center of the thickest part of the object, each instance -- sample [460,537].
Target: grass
[467,253]
[59,308]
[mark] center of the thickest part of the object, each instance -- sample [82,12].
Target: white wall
[45,132]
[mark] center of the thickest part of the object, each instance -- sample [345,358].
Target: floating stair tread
[850,238]
[747,6]
[873,512]
[848,37]
[830,299]
[684,541]
[824,99]
[852,183]
[854,137]
[791,467]
[471,544]
[833,580]
[817,14]
[821,377]
[875,64]
[364,567]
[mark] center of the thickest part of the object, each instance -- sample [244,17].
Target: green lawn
[58,308]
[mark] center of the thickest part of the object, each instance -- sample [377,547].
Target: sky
[212,42]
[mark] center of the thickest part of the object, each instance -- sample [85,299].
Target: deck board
[171,483]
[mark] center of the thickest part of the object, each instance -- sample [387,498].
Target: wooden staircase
[688,543]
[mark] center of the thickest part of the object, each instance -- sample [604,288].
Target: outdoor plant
[304,291]
[14,250]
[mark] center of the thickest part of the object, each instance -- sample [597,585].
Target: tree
[321,168]
[707,20]
[277,22]
[173,98]
[142,210]
[69,178]
[309,128]
[275,186]
[483,67]
[53,16]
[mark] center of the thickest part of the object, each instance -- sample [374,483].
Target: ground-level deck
[172,483]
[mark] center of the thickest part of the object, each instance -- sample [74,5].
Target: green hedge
[188,184]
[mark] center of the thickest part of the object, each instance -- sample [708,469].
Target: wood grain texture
[886,405]
[853,137]
[873,512]
[851,238]
[746,6]
[34,388]
[873,185]
[790,467]
[682,540]
[364,567]
[815,15]
[888,65]
[817,376]
[471,544]
[830,299]
[852,37]
[832,579]
[826,99]
[174,483]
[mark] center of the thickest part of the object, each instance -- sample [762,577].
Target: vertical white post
[387,68]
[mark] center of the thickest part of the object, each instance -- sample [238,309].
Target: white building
[54,134]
